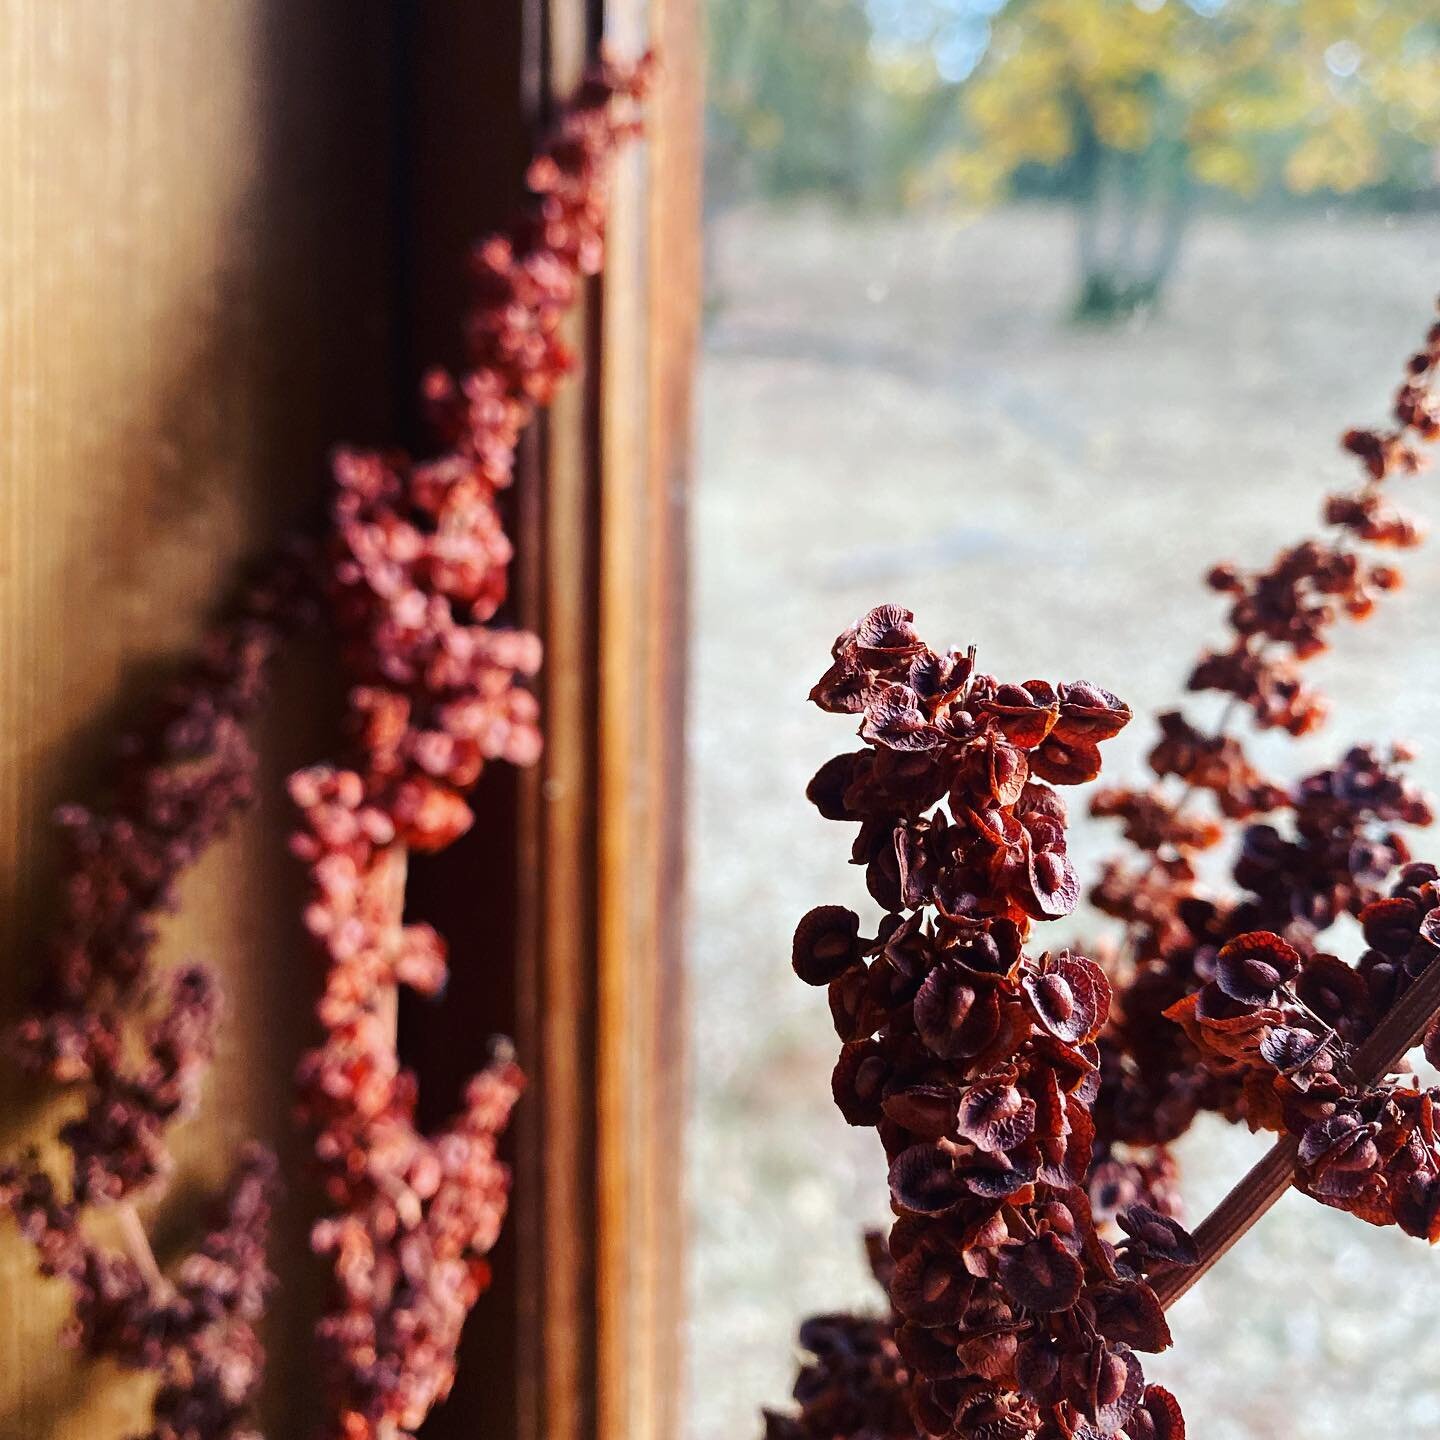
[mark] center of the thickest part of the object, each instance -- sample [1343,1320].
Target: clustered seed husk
[853,1381]
[1221,1001]
[133,1043]
[1306,855]
[417,565]
[975,1060]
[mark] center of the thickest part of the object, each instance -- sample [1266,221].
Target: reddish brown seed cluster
[1282,616]
[853,1384]
[413,1215]
[179,780]
[975,1061]
[526,281]
[1331,845]
[417,564]
[1223,1002]
[1283,1026]
[134,1044]
[205,1326]
[195,1329]
[1334,855]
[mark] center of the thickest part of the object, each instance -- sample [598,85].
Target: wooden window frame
[589,1305]
[361,144]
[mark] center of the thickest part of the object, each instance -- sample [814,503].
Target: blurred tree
[788,84]
[1125,104]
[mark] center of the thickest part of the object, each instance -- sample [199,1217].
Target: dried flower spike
[1331,843]
[133,1044]
[975,1061]
[417,563]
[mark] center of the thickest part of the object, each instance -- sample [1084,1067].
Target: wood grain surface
[194,245]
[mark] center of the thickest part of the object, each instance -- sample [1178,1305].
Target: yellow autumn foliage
[1322,88]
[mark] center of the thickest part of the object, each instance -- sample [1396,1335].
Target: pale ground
[897,412]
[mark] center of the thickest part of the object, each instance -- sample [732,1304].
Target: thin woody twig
[137,1245]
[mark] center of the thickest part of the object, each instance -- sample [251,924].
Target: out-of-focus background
[1021,314]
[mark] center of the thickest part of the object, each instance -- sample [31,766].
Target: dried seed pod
[1253,967]
[859,1081]
[1054,887]
[1089,713]
[1070,995]
[926,1111]
[996,1116]
[957,1014]
[925,1180]
[1128,1313]
[1042,1275]
[827,944]
[930,1289]
[1025,715]
[1066,762]
[886,635]
[894,719]
[1157,1236]
[1158,1417]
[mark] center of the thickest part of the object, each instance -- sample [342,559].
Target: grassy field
[899,412]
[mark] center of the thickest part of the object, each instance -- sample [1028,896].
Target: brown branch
[137,1245]
[1391,1040]
[393,869]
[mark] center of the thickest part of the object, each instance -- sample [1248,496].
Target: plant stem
[137,1245]
[394,865]
[1391,1040]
